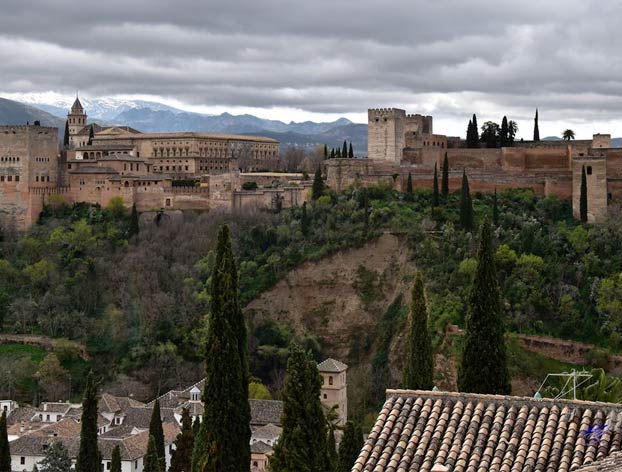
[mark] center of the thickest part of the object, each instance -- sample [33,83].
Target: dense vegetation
[138,302]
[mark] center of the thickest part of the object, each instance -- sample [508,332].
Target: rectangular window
[22,460]
[589,170]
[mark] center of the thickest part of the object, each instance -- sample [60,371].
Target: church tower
[334,390]
[76,119]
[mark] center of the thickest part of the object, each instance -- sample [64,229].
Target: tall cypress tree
[302,446]
[351,151]
[504,133]
[91,135]
[445,178]
[5,451]
[152,462]
[115,463]
[495,209]
[475,132]
[419,365]
[223,442]
[181,459]
[196,426]
[134,226]
[66,136]
[469,134]
[409,186]
[157,433]
[583,197]
[344,150]
[536,129]
[338,153]
[350,447]
[325,152]
[318,185]
[89,458]
[305,224]
[484,359]
[435,193]
[331,450]
[466,205]
[332,153]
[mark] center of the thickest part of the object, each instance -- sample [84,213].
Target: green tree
[436,201]
[419,365]
[583,197]
[223,442]
[344,150]
[5,451]
[338,153]
[181,457]
[466,205]
[88,456]
[350,447]
[134,226]
[504,133]
[115,463]
[473,133]
[56,459]
[152,462]
[325,152]
[331,450]
[66,135]
[536,129]
[157,433]
[568,135]
[409,186]
[305,222]
[484,358]
[351,151]
[495,209]
[490,134]
[469,134]
[318,185]
[302,446]
[332,153]
[91,135]
[258,391]
[196,426]
[512,130]
[445,178]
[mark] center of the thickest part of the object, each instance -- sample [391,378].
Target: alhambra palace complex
[140,167]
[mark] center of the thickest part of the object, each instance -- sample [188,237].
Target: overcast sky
[319,59]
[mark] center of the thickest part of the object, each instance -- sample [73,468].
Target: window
[47,417]
[325,396]
[108,464]
[330,380]
[22,460]
[589,170]
[58,417]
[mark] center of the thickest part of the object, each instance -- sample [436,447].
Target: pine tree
[115,462]
[91,135]
[350,447]
[305,224]
[318,185]
[466,205]
[351,151]
[583,197]
[495,210]
[134,226]
[181,459]
[223,441]
[344,150]
[88,456]
[152,462]
[409,187]
[419,365]
[5,451]
[157,433]
[445,179]
[504,134]
[302,446]
[536,129]
[325,152]
[435,193]
[66,136]
[57,459]
[484,359]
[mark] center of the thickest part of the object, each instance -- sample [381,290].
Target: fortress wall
[614,164]
[267,198]
[518,158]
[559,185]
[596,174]
[474,159]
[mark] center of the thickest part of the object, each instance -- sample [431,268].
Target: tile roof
[332,365]
[268,431]
[93,170]
[265,411]
[613,463]
[260,447]
[422,430]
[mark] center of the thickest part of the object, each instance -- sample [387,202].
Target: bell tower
[76,120]
[334,391]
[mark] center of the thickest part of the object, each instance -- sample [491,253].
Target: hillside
[16,113]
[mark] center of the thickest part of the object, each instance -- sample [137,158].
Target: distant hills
[16,113]
[155,117]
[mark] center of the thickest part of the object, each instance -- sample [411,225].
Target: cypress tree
[66,136]
[302,446]
[338,153]
[350,447]
[88,457]
[466,205]
[305,224]
[115,463]
[495,209]
[223,441]
[469,134]
[351,151]
[475,132]
[325,152]
[344,150]
[583,197]
[484,359]
[134,226]
[435,194]
[157,433]
[152,461]
[536,129]
[91,135]
[419,366]
[5,451]
[331,450]
[181,459]
[196,426]
[332,153]
[409,186]
[504,134]
[445,178]
[318,185]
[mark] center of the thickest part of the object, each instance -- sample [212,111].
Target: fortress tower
[76,119]
[334,390]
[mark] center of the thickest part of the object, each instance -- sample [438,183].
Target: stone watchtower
[76,119]
[334,390]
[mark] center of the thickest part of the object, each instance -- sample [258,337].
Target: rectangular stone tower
[386,134]
[334,390]
[596,177]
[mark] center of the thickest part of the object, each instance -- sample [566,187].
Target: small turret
[76,120]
